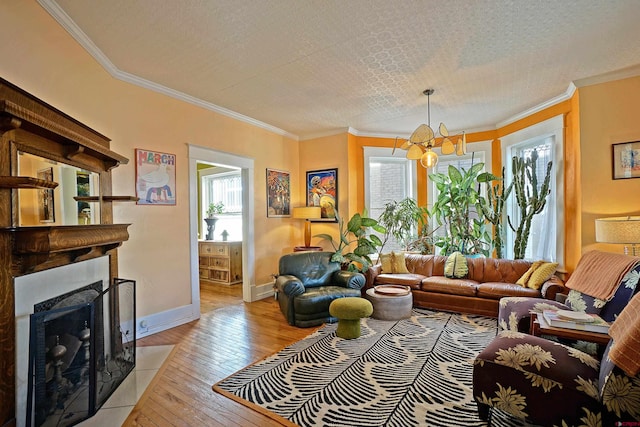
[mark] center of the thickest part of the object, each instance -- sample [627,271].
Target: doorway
[207,155]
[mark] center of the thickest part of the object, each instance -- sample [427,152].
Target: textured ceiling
[315,67]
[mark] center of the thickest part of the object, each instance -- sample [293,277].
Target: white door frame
[197,153]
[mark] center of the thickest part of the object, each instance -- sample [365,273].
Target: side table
[389,306]
[540,327]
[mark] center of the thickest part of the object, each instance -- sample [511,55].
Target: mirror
[44,207]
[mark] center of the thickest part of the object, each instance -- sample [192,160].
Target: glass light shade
[429,159]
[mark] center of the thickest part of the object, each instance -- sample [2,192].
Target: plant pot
[211,226]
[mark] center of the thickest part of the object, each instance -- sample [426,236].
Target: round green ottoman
[349,311]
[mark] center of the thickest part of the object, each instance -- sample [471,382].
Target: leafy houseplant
[356,232]
[403,220]
[215,209]
[211,219]
[456,209]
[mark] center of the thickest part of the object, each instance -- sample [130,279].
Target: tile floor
[117,408]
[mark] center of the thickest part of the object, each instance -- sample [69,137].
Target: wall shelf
[26,182]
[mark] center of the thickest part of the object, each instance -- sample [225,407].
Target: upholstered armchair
[514,313]
[307,283]
[548,383]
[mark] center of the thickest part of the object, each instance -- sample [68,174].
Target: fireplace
[40,260]
[79,352]
[75,342]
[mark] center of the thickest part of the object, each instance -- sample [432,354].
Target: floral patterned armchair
[548,383]
[514,313]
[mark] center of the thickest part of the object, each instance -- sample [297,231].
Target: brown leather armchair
[308,282]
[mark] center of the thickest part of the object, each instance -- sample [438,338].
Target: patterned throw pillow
[541,274]
[393,263]
[385,262]
[522,281]
[537,274]
[399,264]
[456,266]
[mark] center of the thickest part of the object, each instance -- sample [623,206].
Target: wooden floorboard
[230,335]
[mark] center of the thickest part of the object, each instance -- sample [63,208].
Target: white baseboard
[263,291]
[159,322]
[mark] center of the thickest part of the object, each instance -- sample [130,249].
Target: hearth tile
[151,357]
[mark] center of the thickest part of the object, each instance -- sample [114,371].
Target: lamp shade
[622,229]
[307,212]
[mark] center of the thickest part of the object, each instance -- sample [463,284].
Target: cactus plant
[492,206]
[530,200]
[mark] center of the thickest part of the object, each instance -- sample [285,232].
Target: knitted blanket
[598,273]
[625,331]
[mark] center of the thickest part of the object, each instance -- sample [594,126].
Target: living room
[44,59]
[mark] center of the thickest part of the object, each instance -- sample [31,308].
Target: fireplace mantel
[32,126]
[39,248]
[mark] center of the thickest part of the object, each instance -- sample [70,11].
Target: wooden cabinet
[220,262]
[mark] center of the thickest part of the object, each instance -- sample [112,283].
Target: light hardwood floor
[229,335]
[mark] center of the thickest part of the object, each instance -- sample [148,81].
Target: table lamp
[622,230]
[307,213]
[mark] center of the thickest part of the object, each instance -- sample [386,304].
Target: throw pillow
[522,281]
[399,264]
[385,262]
[541,274]
[456,266]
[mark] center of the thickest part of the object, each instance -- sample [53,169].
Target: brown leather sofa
[488,280]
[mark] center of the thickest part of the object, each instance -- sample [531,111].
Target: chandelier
[422,141]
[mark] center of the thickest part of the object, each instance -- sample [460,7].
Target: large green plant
[403,220]
[492,206]
[530,199]
[356,242]
[456,210]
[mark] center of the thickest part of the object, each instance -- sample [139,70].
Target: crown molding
[70,26]
[623,73]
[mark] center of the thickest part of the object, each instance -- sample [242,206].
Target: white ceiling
[315,67]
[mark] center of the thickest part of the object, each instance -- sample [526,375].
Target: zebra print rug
[412,372]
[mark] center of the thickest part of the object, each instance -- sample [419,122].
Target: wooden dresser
[220,262]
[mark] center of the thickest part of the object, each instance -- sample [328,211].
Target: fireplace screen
[82,346]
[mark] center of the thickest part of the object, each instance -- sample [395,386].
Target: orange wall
[325,153]
[44,60]
[608,115]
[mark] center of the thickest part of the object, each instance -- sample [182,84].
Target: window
[225,187]
[388,178]
[546,239]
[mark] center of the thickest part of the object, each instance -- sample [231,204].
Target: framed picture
[322,190]
[278,193]
[626,160]
[155,177]
[46,207]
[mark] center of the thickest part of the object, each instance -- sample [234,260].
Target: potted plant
[405,221]
[211,219]
[530,198]
[492,206]
[356,242]
[456,210]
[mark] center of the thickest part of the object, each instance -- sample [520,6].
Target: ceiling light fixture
[422,141]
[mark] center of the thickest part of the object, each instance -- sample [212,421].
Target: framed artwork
[155,178]
[278,193]
[46,207]
[626,160]
[322,190]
